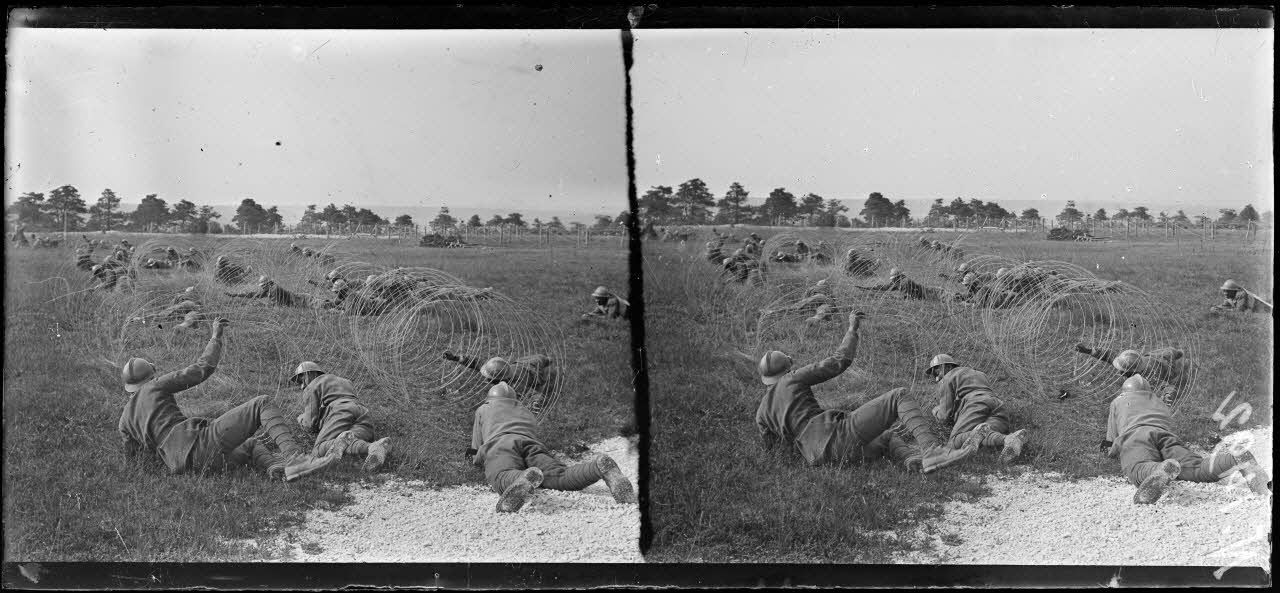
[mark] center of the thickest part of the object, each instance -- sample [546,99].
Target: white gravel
[398,521]
[1040,518]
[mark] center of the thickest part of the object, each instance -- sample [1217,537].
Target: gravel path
[1040,518]
[399,521]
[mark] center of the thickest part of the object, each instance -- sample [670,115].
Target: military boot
[1013,444]
[377,455]
[1150,490]
[518,492]
[618,483]
[938,457]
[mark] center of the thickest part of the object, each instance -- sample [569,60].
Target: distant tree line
[65,208]
[1226,216]
[444,222]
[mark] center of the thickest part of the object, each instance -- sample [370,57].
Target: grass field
[69,494]
[716,496]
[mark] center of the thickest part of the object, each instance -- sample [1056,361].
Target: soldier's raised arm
[204,366]
[831,366]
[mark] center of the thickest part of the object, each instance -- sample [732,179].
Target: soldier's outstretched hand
[856,317]
[219,324]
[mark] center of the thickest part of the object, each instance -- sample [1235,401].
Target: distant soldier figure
[157,264]
[960,272]
[967,402]
[1139,433]
[152,421]
[789,413]
[857,265]
[739,265]
[753,245]
[84,258]
[228,273]
[343,426]
[820,256]
[802,250]
[532,377]
[609,305]
[20,236]
[816,298]
[714,254]
[983,291]
[185,306]
[190,260]
[295,250]
[909,288]
[1237,299]
[504,441]
[1166,368]
[268,289]
[105,276]
[354,301]
[781,256]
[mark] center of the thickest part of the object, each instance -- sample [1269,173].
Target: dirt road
[398,521]
[1039,518]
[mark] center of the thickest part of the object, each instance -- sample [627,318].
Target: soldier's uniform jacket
[320,393]
[151,417]
[789,404]
[496,417]
[956,386]
[273,292]
[1133,410]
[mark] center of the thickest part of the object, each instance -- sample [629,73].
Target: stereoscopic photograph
[645,296]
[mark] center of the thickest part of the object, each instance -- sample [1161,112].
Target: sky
[1170,119]
[381,119]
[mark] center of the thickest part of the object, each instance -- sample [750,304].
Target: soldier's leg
[977,412]
[557,475]
[504,463]
[1195,467]
[892,446]
[340,418]
[1140,455]
[871,419]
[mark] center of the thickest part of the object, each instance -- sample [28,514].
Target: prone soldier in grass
[342,424]
[504,441]
[152,421]
[1168,369]
[967,402]
[816,298]
[268,289]
[532,377]
[1140,434]
[1238,300]
[898,282]
[608,305]
[789,413]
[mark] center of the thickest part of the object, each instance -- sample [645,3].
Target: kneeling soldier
[329,406]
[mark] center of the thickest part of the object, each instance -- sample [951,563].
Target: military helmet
[600,293]
[962,268]
[96,268]
[737,252]
[894,273]
[850,253]
[969,278]
[727,262]
[339,285]
[1135,384]
[263,279]
[772,365]
[1127,361]
[1231,285]
[502,390]
[1001,272]
[940,360]
[220,260]
[135,372]
[293,246]
[494,368]
[305,367]
[331,276]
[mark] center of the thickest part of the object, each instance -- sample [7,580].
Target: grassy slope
[69,496]
[716,496]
